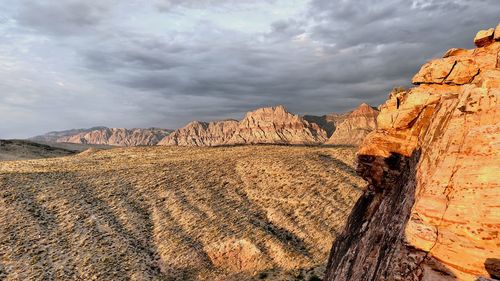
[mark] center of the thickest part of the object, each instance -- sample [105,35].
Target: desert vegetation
[175,213]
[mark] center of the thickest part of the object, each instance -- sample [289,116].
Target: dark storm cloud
[334,56]
[357,51]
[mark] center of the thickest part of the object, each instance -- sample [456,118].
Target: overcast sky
[133,63]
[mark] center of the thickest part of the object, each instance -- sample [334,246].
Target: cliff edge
[431,210]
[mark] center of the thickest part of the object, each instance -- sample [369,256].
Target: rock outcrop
[107,136]
[202,134]
[355,126]
[430,211]
[270,125]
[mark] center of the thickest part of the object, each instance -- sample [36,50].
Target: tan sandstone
[484,37]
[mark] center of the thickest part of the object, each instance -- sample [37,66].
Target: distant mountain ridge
[107,136]
[199,133]
[268,125]
[276,125]
[355,126]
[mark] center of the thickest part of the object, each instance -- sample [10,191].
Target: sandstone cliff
[202,134]
[355,126]
[430,211]
[107,136]
[270,125]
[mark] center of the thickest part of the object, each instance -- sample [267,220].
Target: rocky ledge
[430,211]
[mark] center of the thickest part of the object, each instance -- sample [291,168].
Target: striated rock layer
[355,126]
[270,125]
[431,211]
[276,125]
[202,134]
[107,136]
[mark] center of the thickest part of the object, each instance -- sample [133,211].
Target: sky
[162,63]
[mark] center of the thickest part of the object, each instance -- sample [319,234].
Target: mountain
[175,213]
[56,135]
[275,125]
[22,150]
[107,136]
[199,133]
[270,125]
[328,122]
[430,211]
[355,126]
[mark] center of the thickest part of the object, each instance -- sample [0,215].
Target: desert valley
[406,190]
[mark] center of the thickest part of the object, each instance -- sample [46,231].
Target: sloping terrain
[79,147]
[175,213]
[23,150]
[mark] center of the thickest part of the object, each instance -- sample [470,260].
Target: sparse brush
[161,213]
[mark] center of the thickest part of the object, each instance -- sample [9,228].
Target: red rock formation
[355,126]
[431,209]
[107,136]
[202,134]
[277,126]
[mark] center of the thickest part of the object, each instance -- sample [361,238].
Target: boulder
[484,37]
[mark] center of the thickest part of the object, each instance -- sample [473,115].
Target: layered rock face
[270,125]
[275,125]
[202,134]
[107,136]
[355,126]
[430,211]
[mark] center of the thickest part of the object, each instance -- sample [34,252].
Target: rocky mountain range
[276,125]
[430,211]
[199,133]
[106,136]
[269,125]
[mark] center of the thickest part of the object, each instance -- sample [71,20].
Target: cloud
[129,64]
[168,5]
[69,17]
